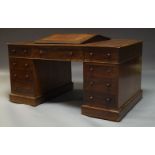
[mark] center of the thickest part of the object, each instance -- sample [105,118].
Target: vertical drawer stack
[21,71]
[112,80]
[100,79]
[100,85]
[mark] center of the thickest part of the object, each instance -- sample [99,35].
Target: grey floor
[65,110]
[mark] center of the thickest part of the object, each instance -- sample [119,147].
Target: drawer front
[101,55]
[20,63]
[22,82]
[19,51]
[92,70]
[57,53]
[100,100]
[23,76]
[23,88]
[104,85]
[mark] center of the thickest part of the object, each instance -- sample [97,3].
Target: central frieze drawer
[57,53]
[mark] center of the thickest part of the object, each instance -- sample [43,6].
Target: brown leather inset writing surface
[71,39]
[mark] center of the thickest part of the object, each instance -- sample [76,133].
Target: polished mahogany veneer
[41,69]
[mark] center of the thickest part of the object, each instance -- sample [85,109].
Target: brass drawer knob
[91,53]
[108,99]
[91,97]
[108,85]
[92,83]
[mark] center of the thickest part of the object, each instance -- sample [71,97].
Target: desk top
[81,40]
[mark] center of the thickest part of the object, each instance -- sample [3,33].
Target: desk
[41,69]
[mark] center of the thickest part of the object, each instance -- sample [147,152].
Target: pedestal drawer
[96,70]
[101,55]
[101,85]
[20,63]
[22,82]
[21,75]
[19,51]
[23,88]
[100,100]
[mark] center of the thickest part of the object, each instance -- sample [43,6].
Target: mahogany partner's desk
[112,74]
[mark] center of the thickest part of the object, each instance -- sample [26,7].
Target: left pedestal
[35,81]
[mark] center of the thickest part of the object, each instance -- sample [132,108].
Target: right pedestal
[111,90]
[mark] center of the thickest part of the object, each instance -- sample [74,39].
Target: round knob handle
[27,76]
[108,70]
[41,51]
[26,65]
[70,53]
[108,99]
[91,68]
[15,75]
[108,84]
[92,83]
[91,54]
[25,51]
[91,97]
[108,54]
[13,51]
[14,63]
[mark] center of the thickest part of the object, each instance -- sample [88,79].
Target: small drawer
[22,82]
[20,63]
[103,85]
[101,55]
[57,53]
[22,88]
[94,70]
[100,100]
[19,51]
[22,76]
